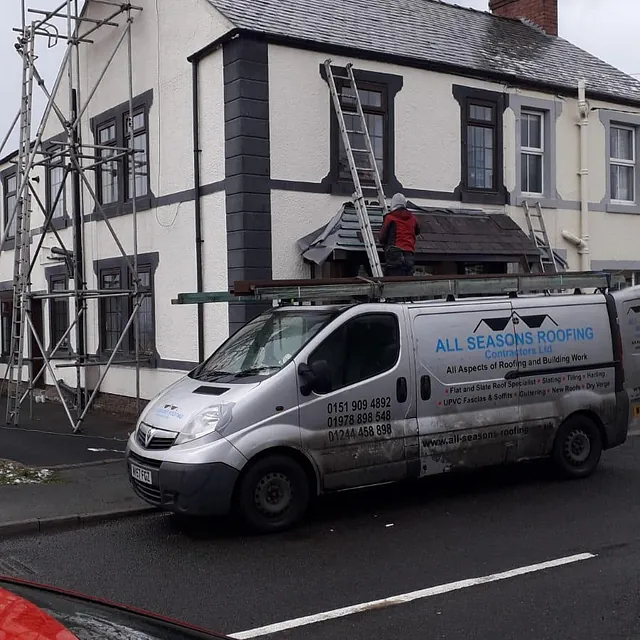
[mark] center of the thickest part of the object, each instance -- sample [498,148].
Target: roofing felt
[436,33]
[444,233]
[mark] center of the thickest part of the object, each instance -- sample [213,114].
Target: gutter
[197,190]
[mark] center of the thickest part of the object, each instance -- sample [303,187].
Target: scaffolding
[70,26]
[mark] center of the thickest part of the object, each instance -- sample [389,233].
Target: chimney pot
[543,13]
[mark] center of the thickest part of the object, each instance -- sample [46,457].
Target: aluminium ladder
[358,195]
[540,237]
[22,252]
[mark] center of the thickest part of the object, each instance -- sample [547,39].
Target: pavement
[502,553]
[90,481]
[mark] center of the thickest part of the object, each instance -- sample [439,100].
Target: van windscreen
[264,345]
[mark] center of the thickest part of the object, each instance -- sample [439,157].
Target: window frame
[6,194]
[147,263]
[466,98]
[342,327]
[6,298]
[621,162]
[55,275]
[390,85]
[118,117]
[56,148]
[535,151]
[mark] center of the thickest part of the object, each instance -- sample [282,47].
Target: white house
[471,113]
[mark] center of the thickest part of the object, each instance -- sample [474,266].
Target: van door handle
[425,387]
[401,389]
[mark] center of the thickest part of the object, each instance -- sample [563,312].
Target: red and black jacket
[400,229]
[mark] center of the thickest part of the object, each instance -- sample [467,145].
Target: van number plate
[142,475]
[636,410]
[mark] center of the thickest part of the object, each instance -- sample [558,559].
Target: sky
[605,28]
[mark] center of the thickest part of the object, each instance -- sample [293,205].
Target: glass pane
[478,112]
[622,183]
[12,184]
[480,157]
[534,126]
[56,191]
[108,134]
[532,173]
[622,144]
[11,204]
[140,162]
[371,98]
[109,178]
[524,130]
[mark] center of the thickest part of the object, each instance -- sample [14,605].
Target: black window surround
[474,102]
[122,306]
[58,279]
[117,117]
[389,86]
[6,317]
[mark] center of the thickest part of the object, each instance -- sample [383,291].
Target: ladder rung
[360,133]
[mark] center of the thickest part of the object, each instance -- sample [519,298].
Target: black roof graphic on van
[500,324]
[634,309]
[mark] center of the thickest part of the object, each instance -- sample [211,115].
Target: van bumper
[189,489]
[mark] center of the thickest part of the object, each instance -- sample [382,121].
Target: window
[56,196]
[144,315]
[532,150]
[113,318]
[120,175]
[622,164]
[481,116]
[108,170]
[10,199]
[58,312]
[137,166]
[481,147]
[6,317]
[373,99]
[116,310]
[362,348]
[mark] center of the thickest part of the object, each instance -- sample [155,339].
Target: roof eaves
[442,67]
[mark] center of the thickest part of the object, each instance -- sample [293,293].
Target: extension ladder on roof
[360,131]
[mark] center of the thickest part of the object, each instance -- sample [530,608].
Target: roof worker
[398,235]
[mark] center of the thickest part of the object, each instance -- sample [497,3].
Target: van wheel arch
[294,454]
[578,445]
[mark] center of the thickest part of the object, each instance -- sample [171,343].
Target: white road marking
[406,597]
[107,450]
[634,433]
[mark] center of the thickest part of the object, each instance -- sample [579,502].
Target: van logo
[148,437]
[634,309]
[171,407]
[500,324]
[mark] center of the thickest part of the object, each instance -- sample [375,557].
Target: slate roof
[430,32]
[445,234]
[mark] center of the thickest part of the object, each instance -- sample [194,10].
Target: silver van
[306,400]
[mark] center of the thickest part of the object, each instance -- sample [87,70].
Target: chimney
[543,13]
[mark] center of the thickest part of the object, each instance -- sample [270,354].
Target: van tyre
[273,494]
[578,447]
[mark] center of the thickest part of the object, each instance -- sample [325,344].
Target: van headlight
[206,422]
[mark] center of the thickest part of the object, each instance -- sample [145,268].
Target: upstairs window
[108,172]
[10,200]
[137,169]
[56,193]
[481,146]
[532,152]
[374,104]
[623,164]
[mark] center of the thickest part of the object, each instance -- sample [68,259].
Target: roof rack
[415,288]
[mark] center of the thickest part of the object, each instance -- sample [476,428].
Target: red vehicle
[33,611]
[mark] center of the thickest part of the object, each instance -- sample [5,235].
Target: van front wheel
[273,494]
[578,447]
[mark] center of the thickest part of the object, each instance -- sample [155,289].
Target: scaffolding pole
[70,26]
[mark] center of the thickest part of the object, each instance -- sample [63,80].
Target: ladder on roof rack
[361,133]
[540,237]
[416,288]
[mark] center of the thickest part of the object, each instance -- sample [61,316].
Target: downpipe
[583,246]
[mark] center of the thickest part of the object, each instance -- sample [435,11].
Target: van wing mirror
[315,377]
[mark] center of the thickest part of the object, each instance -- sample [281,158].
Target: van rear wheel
[578,447]
[273,494]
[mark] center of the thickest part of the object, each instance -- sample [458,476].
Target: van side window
[361,348]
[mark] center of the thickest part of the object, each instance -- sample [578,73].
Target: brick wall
[544,13]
